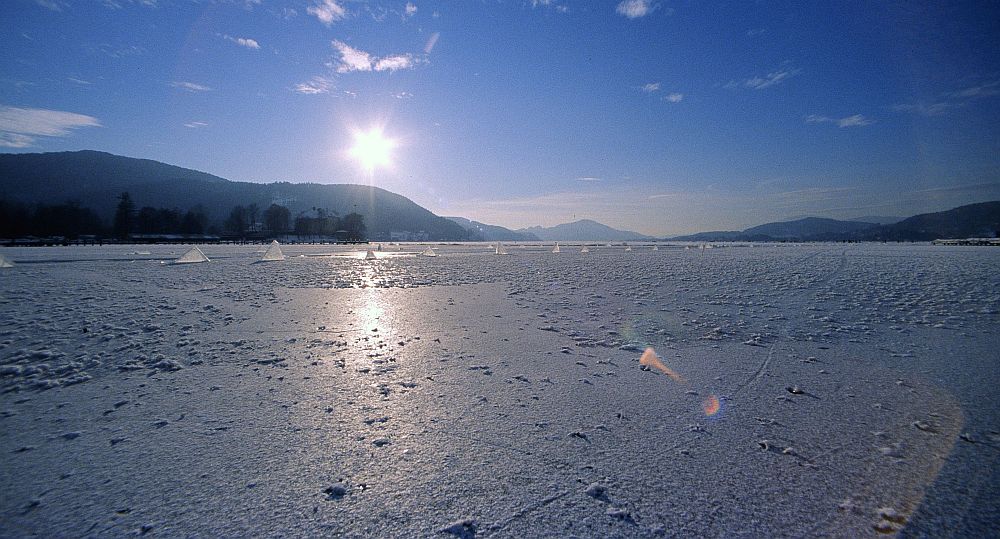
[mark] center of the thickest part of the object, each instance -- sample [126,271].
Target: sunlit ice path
[780,390]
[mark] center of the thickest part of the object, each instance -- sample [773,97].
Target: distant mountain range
[96,179]
[973,220]
[484,232]
[582,230]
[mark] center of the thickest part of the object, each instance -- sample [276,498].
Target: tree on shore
[276,219]
[354,224]
[195,221]
[123,216]
[237,221]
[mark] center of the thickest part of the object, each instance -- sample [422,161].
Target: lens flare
[649,359]
[711,405]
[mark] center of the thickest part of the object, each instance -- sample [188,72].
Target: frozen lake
[828,389]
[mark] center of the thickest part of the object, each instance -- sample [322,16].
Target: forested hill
[96,179]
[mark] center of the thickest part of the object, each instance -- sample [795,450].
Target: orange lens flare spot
[649,359]
[711,405]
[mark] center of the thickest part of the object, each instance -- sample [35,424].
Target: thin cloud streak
[316,85]
[951,100]
[759,82]
[190,86]
[19,127]
[855,120]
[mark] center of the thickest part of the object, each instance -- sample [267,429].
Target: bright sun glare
[372,149]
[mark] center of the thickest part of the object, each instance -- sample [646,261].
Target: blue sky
[656,116]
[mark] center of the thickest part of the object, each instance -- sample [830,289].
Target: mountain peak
[583,230]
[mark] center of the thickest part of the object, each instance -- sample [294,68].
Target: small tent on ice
[370,255]
[5,262]
[556,248]
[428,252]
[193,256]
[585,249]
[500,249]
[273,253]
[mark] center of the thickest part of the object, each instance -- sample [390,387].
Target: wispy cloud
[78,81]
[773,78]
[759,82]
[117,4]
[119,52]
[431,41]
[634,9]
[327,11]
[243,42]
[674,97]
[410,9]
[650,87]
[352,59]
[20,126]
[316,85]
[196,125]
[588,179]
[855,120]
[190,86]
[53,5]
[966,187]
[561,8]
[951,100]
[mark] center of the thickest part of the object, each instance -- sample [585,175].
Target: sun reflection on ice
[371,312]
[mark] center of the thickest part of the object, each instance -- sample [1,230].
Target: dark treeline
[71,221]
[68,220]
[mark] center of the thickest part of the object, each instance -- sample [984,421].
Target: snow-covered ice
[846,390]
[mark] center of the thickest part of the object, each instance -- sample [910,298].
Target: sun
[372,149]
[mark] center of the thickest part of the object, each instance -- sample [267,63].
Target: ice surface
[821,390]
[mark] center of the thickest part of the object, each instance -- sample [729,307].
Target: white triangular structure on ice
[585,249]
[5,263]
[370,255]
[656,247]
[628,247]
[500,249]
[428,252]
[273,253]
[193,256]
[556,248]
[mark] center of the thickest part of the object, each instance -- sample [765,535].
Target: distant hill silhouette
[972,220]
[582,230]
[484,232]
[95,179]
[980,220]
[810,227]
[878,219]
